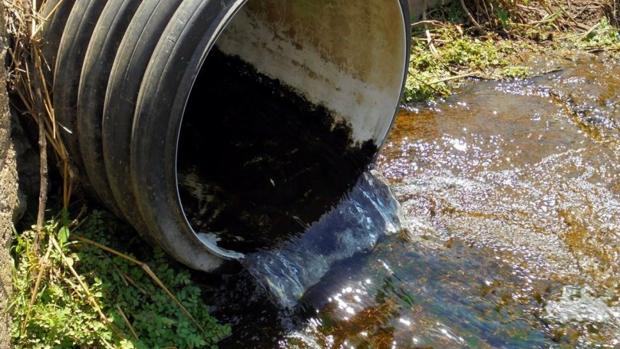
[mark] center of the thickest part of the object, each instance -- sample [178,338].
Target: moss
[516,72]
[435,71]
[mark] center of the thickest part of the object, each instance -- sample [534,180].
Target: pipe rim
[212,245]
[174,212]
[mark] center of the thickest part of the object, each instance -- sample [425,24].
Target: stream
[500,229]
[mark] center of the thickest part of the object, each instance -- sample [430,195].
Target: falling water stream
[506,233]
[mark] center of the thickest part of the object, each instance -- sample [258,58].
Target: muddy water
[510,200]
[526,173]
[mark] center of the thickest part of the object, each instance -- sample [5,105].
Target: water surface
[510,209]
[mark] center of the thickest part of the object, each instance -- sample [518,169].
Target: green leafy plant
[442,56]
[503,17]
[601,35]
[92,295]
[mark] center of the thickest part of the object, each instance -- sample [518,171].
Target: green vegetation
[452,55]
[495,40]
[73,288]
[75,284]
[82,294]
[601,36]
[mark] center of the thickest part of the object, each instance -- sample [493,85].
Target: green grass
[433,73]
[135,311]
[497,50]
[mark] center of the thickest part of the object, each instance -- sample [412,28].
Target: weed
[602,34]
[90,298]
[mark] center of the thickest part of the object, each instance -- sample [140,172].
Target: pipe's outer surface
[125,70]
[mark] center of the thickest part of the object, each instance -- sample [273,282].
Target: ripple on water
[510,196]
[529,170]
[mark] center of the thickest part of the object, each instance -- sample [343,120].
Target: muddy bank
[19,186]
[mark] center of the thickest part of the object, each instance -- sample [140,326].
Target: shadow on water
[507,236]
[404,296]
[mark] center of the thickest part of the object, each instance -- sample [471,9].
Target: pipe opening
[287,112]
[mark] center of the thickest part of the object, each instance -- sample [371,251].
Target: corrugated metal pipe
[139,86]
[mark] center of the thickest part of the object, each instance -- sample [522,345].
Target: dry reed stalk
[27,71]
[26,82]
[560,14]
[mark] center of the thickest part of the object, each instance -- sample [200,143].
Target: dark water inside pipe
[509,235]
[275,163]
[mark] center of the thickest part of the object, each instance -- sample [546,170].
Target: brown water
[529,168]
[510,196]
[528,171]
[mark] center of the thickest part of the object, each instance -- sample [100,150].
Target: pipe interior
[286,113]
